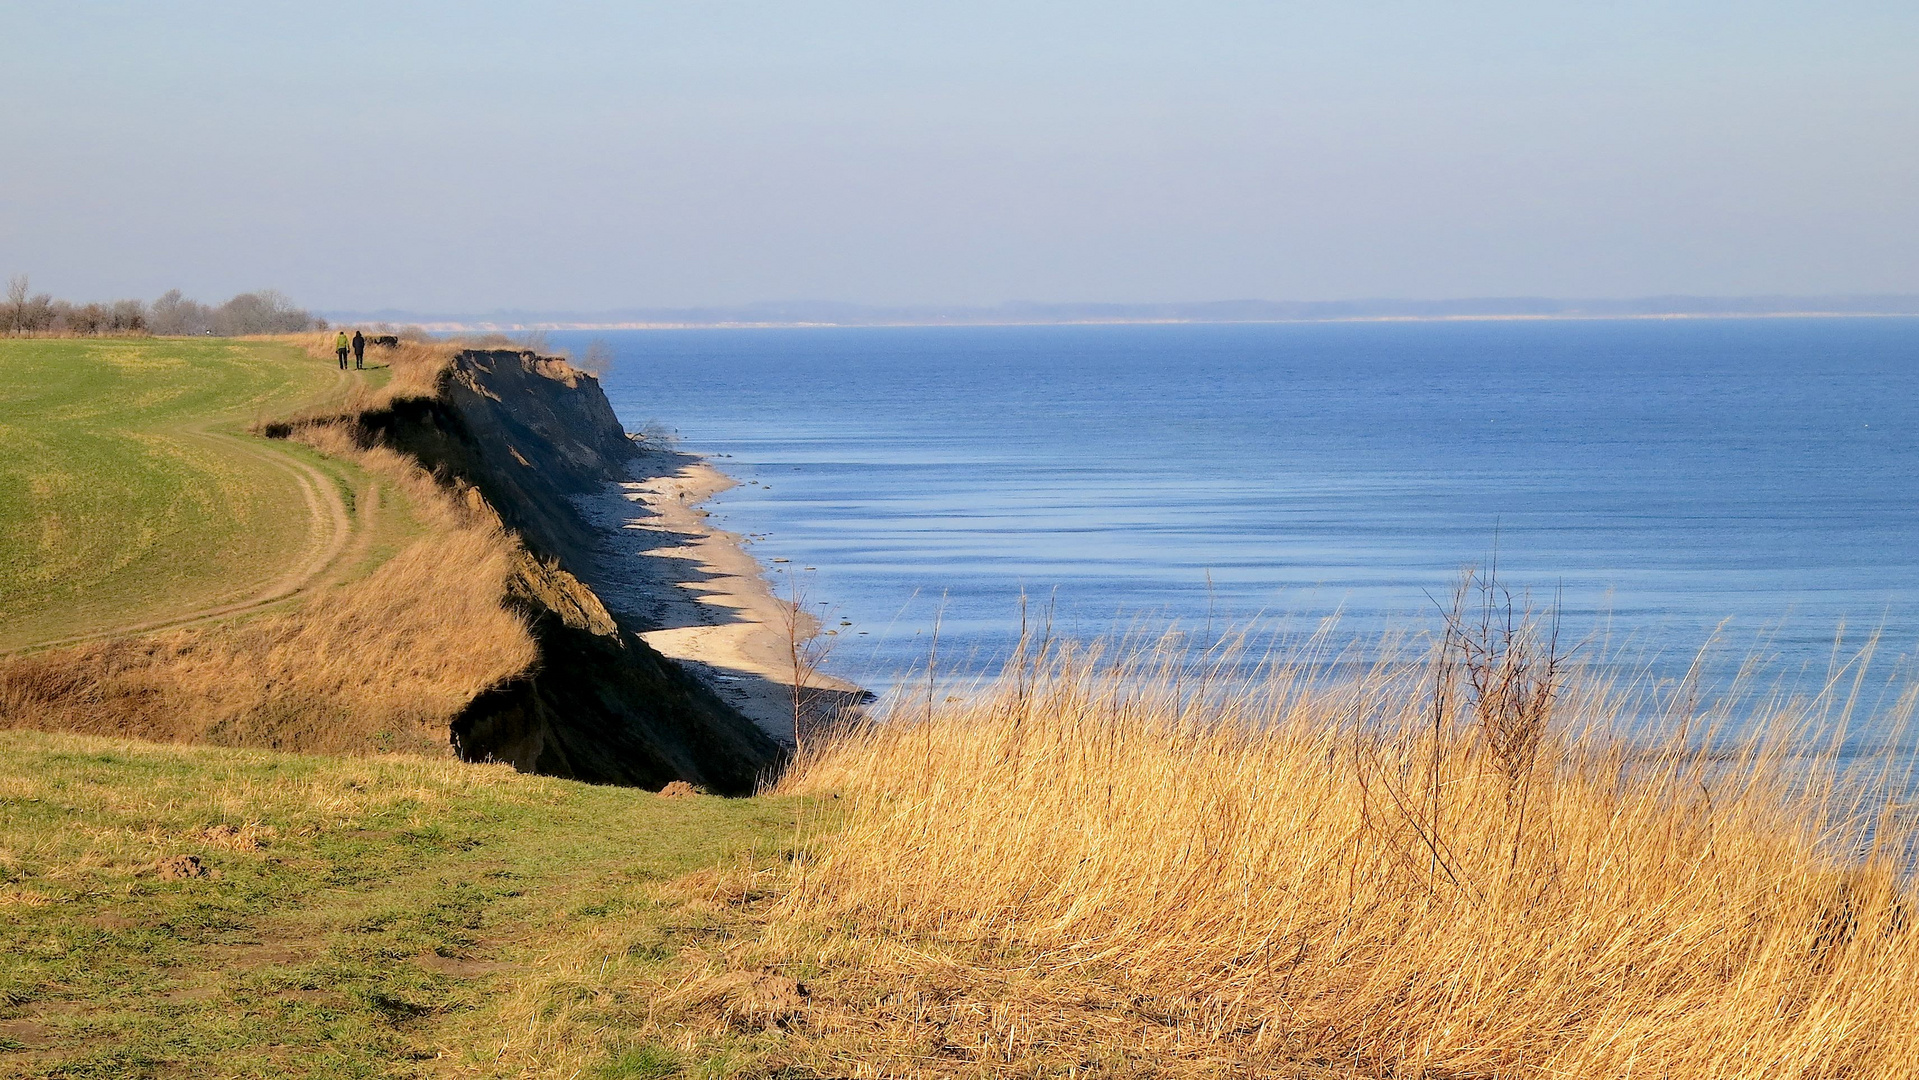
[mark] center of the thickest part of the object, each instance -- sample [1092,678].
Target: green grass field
[175,911]
[130,495]
[188,911]
[358,917]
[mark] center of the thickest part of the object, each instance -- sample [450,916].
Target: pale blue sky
[469,156]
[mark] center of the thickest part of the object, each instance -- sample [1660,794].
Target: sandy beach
[694,593]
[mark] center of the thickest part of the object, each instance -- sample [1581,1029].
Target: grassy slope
[363,916]
[367,917]
[127,492]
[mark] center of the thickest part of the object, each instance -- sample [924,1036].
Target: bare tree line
[25,313]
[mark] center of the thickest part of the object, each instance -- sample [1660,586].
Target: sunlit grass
[1451,865]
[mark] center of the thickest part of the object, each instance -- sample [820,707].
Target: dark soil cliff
[524,433]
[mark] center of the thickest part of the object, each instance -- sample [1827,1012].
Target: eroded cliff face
[524,433]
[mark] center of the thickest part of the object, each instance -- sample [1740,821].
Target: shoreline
[693,592]
[442,326]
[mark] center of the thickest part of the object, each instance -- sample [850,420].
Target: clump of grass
[365,667]
[1450,865]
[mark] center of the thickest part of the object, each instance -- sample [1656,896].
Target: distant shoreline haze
[825,313]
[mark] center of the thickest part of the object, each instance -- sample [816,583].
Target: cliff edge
[464,628]
[524,433]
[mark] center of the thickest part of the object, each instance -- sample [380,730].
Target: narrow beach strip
[695,593]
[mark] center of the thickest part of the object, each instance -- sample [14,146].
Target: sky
[477,156]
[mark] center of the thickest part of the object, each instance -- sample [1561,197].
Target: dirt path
[335,537]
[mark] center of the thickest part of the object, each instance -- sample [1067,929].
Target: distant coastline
[826,314]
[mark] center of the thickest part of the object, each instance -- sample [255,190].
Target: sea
[1738,489]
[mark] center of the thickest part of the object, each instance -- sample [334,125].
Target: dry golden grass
[1308,875]
[380,664]
[1107,868]
[1104,868]
[414,368]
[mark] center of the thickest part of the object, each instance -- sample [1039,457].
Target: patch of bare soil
[181,868]
[243,955]
[27,1034]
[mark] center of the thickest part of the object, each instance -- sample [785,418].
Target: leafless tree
[262,312]
[81,318]
[14,314]
[599,358]
[126,317]
[37,314]
[173,314]
[265,312]
[807,649]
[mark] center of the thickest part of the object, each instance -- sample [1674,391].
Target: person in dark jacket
[359,352]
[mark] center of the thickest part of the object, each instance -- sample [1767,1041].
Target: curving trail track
[335,537]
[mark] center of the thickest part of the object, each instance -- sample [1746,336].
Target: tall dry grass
[381,663]
[1447,866]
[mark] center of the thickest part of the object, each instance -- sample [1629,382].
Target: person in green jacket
[341,345]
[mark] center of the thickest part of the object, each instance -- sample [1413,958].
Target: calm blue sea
[1663,478]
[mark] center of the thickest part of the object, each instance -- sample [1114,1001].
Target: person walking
[359,352]
[340,346]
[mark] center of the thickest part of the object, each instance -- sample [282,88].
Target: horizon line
[834,314]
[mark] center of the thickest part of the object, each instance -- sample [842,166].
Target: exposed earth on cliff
[532,435]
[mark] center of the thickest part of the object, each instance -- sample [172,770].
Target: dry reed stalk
[1389,873]
[807,650]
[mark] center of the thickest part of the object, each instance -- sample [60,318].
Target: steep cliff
[523,433]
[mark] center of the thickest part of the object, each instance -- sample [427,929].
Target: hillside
[472,636]
[1078,872]
[131,497]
